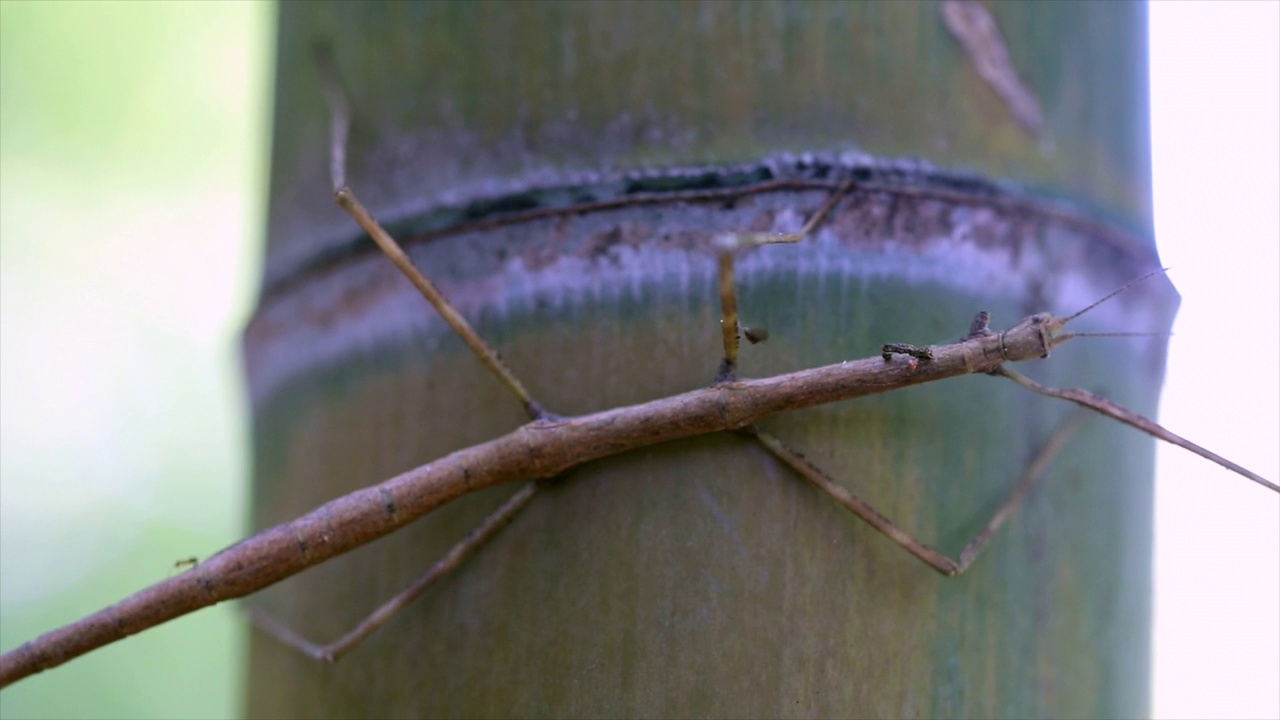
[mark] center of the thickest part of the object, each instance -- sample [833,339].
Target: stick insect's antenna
[1057,322]
[1062,338]
[340,111]
[728,245]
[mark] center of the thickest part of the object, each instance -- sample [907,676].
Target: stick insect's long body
[539,449]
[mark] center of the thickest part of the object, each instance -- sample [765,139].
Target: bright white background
[128,246]
[1215,104]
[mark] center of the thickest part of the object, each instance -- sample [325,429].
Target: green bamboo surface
[702,578]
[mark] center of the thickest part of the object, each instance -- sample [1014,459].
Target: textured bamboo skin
[701,577]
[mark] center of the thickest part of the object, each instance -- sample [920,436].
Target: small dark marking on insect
[979,326]
[919,352]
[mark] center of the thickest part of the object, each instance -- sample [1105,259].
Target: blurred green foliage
[133,145]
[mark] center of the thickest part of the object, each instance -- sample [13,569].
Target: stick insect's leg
[1102,405]
[334,651]
[340,115]
[728,246]
[931,557]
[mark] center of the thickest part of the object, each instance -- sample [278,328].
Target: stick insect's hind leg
[334,651]
[922,551]
[340,115]
[728,246]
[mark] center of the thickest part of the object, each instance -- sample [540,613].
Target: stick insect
[549,444]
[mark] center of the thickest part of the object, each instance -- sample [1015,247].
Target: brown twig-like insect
[548,445]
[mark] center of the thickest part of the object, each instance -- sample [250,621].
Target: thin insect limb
[333,652]
[347,200]
[727,246]
[742,240]
[340,112]
[922,551]
[728,318]
[1129,417]
[1112,294]
[340,124]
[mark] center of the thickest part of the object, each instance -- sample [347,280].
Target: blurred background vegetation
[133,152]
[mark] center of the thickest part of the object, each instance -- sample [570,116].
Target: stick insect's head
[1033,336]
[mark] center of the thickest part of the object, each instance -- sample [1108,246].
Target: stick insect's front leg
[727,248]
[1102,405]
